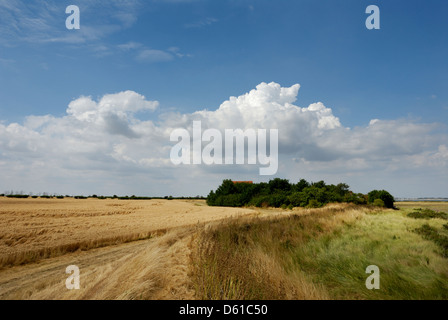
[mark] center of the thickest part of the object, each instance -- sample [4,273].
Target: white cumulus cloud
[101,146]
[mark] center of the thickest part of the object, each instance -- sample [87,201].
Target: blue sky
[194,55]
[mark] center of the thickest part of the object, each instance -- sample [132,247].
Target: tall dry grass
[248,258]
[321,254]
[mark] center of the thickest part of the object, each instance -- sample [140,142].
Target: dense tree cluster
[382,195]
[281,193]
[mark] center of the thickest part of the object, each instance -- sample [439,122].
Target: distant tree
[319,184]
[278,184]
[385,196]
[227,187]
[302,184]
[342,189]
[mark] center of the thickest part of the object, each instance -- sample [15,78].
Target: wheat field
[31,229]
[125,249]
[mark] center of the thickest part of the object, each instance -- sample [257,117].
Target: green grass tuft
[427,214]
[431,233]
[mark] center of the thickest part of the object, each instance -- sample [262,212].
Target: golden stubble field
[125,249]
[31,229]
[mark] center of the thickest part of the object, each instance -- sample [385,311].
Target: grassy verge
[321,254]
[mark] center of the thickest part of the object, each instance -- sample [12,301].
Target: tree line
[281,193]
[94,196]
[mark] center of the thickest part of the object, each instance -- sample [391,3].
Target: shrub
[356,198]
[427,214]
[277,199]
[378,203]
[260,201]
[387,198]
[298,199]
[314,204]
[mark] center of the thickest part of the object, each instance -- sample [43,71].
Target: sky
[91,110]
